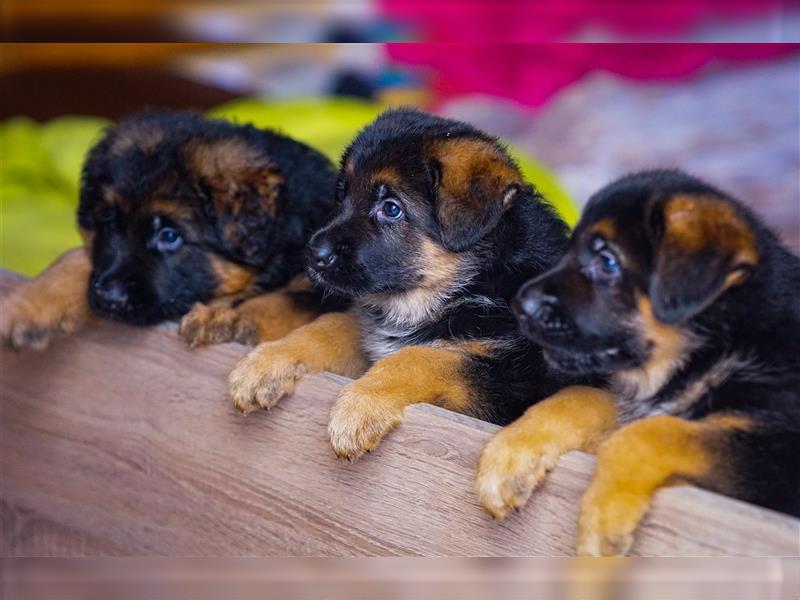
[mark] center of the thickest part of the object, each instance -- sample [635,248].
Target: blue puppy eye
[609,265]
[168,239]
[390,211]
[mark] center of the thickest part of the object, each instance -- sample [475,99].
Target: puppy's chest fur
[381,336]
[687,391]
[385,329]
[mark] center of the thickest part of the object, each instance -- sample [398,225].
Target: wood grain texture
[121,441]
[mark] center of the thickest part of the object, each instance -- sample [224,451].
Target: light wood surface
[121,441]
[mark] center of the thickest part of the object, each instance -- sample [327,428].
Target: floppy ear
[705,248]
[246,190]
[474,183]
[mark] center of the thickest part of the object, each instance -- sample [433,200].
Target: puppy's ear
[705,248]
[474,183]
[246,190]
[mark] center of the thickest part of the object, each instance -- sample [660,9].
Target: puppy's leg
[53,303]
[329,343]
[371,406]
[637,460]
[213,322]
[518,457]
[264,318]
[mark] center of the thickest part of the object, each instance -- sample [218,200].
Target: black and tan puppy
[176,209]
[435,232]
[692,307]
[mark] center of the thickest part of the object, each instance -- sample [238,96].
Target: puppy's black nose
[322,255]
[111,294]
[533,303]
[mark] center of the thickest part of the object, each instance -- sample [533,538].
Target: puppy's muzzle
[538,312]
[534,304]
[321,255]
[110,294]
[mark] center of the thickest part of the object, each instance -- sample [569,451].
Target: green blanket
[40,168]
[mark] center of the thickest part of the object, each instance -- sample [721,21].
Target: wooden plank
[121,441]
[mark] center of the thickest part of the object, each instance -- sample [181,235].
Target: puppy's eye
[608,262]
[389,211]
[168,239]
[603,264]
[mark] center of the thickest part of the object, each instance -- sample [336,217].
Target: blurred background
[474,21]
[576,114]
[710,578]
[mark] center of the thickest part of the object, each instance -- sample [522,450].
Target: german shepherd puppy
[176,209]
[434,233]
[692,307]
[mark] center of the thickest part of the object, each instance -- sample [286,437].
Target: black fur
[386,267]
[743,345]
[158,284]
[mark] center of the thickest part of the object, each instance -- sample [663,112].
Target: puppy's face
[167,206]
[415,193]
[652,252]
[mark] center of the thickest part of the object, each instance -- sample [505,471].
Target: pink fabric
[532,73]
[483,21]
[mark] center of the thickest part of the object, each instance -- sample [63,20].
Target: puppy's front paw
[28,323]
[264,376]
[204,325]
[607,522]
[509,469]
[359,420]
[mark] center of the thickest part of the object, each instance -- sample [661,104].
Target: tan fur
[716,375]
[263,318]
[728,421]
[144,138]
[175,210]
[386,175]
[704,234]
[232,278]
[241,317]
[443,273]
[480,347]
[330,343]
[670,346]
[476,177]
[440,267]
[299,283]
[370,407]
[694,223]
[54,303]
[112,197]
[518,457]
[637,460]
[232,168]
[605,228]
[464,160]
[232,155]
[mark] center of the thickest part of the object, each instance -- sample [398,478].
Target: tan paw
[509,469]
[204,325]
[264,376]
[607,523]
[359,421]
[26,323]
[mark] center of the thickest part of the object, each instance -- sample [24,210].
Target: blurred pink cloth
[513,67]
[482,21]
[532,73]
